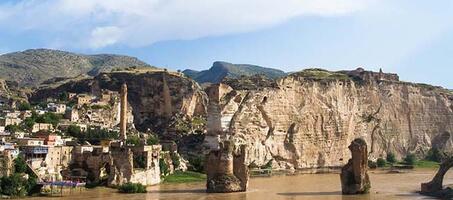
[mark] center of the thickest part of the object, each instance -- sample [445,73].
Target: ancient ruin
[354,175]
[114,162]
[226,167]
[435,186]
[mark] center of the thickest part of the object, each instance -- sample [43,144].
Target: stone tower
[123,112]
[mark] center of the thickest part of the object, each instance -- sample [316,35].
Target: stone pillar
[434,187]
[226,171]
[166,96]
[354,175]
[123,112]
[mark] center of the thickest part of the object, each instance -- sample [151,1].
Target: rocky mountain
[34,66]
[220,70]
[308,119]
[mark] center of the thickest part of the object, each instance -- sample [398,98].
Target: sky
[413,38]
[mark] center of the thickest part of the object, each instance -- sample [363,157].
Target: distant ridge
[220,70]
[34,66]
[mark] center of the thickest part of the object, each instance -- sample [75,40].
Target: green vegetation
[16,185]
[410,159]
[164,169]
[184,177]
[426,164]
[391,158]
[372,164]
[99,107]
[50,118]
[196,163]
[24,106]
[435,155]
[92,135]
[13,128]
[381,162]
[64,96]
[132,188]
[152,140]
[321,74]
[175,160]
[20,166]
[133,140]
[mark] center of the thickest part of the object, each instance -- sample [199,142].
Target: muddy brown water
[300,186]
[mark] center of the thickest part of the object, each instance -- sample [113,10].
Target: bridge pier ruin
[354,175]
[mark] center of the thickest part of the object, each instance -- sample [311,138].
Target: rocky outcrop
[309,119]
[154,95]
[354,175]
[435,186]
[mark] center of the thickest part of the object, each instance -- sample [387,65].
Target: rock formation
[354,175]
[225,163]
[307,119]
[435,187]
[153,94]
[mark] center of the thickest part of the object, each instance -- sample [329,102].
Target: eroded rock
[354,175]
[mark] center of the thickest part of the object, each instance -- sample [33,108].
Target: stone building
[41,127]
[83,99]
[118,163]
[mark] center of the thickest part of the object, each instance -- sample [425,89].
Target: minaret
[123,112]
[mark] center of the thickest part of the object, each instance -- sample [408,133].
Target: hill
[34,66]
[220,70]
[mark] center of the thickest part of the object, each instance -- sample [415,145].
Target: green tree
[152,140]
[50,118]
[434,154]
[410,159]
[391,158]
[12,128]
[24,106]
[64,96]
[133,140]
[14,185]
[380,162]
[20,166]
[74,131]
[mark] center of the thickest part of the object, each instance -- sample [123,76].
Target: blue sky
[413,38]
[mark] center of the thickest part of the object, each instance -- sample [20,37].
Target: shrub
[197,163]
[152,140]
[12,128]
[20,166]
[133,140]
[391,158]
[435,155]
[164,170]
[410,159]
[380,162]
[175,160]
[372,164]
[132,188]
[14,185]
[24,106]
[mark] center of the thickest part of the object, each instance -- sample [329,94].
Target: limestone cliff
[308,121]
[154,95]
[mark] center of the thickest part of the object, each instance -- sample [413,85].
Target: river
[300,186]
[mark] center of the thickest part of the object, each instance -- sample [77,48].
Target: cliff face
[154,95]
[308,123]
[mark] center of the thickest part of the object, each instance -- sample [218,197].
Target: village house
[72,114]
[57,108]
[41,127]
[83,99]
[5,121]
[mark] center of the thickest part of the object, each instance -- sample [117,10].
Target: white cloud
[104,36]
[99,23]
